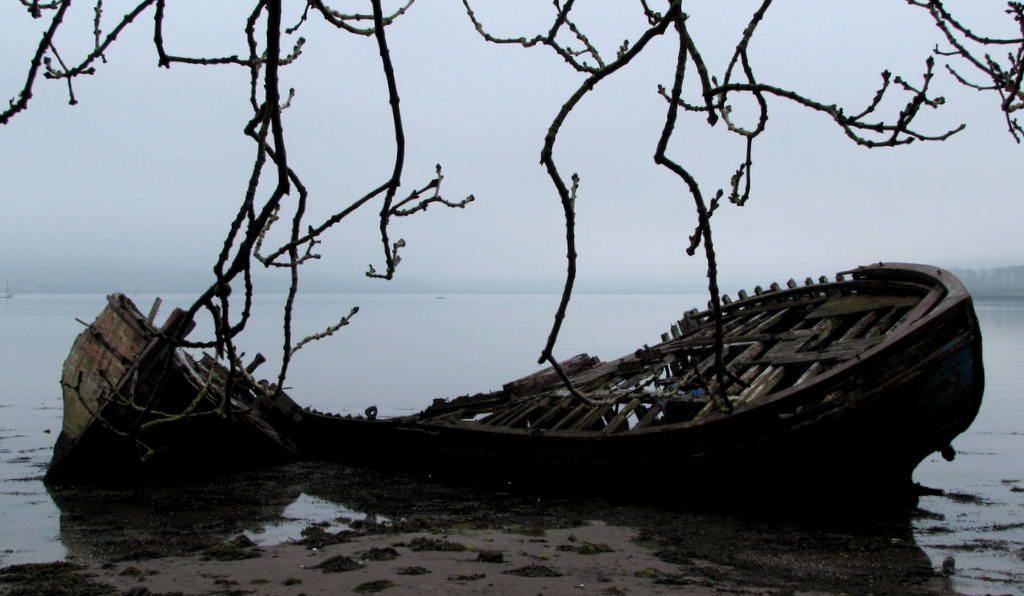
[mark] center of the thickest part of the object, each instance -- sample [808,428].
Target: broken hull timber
[887,369]
[843,385]
[123,383]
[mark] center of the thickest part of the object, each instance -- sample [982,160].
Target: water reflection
[975,531]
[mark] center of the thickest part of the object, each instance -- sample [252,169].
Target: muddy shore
[409,535]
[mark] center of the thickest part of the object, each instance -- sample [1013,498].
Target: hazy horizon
[184,281]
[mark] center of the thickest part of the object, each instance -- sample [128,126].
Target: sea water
[400,351]
[977,529]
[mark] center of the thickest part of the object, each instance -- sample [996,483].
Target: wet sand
[594,558]
[408,535]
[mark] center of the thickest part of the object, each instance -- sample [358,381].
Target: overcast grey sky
[145,174]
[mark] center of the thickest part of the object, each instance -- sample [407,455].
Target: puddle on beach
[306,511]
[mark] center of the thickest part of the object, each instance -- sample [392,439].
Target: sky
[134,187]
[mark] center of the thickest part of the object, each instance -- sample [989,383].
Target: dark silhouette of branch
[275,193]
[37,60]
[573,57]
[1003,78]
[865,128]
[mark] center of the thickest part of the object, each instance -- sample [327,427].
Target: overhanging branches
[868,127]
[275,194]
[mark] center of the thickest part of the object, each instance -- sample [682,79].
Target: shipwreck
[850,382]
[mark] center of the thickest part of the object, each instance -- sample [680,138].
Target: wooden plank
[747,355]
[812,371]
[747,377]
[858,328]
[822,330]
[502,415]
[591,418]
[552,412]
[529,408]
[620,419]
[759,320]
[570,417]
[548,378]
[644,374]
[648,417]
[886,322]
[764,323]
[839,350]
[763,384]
[855,303]
[794,342]
[595,376]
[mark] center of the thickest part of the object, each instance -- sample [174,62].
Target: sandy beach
[592,558]
[402,534]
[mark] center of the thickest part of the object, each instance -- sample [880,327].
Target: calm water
[402,350]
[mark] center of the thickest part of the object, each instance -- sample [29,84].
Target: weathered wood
[822,332]
[591,418]
[747,355]
[621,419]
[153,310]
[838,351]
[747,377]
[530,407]
[649,416]
[548,377]
[813,370]
[573,415]
[553,412]
[761,323]
[124,382]
[860,327]
[855,303]
[886,321]
[893,354]
[763,384]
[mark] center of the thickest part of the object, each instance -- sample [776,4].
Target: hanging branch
[714,105]
[275,192]
[572,57]
[704,212]
[568,194]
[390,257]
[1004,79]
[45,44]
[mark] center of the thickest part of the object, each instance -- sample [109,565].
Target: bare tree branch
[1004,79]
[714,103]
[275,191]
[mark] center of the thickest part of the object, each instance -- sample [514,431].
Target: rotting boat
[832,385]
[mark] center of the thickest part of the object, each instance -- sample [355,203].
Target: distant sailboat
[7,293]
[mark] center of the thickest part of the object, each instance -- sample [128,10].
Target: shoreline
[156,539]
[595,558]
[590,557]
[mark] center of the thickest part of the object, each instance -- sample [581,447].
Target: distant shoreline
[1019,295]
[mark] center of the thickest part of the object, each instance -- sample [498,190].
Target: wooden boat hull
[864,425]
[876,445]
[848,385]
[124,382]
